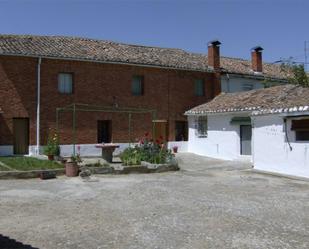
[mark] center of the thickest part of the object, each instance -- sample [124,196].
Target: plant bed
[28,174]
[157,168]
[148,150]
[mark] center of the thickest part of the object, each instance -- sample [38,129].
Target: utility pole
[306,56]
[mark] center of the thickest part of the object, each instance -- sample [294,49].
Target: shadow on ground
[8,243]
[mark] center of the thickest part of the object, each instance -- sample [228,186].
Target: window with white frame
[65,83]
[201,126]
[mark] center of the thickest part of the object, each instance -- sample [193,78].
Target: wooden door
[160,130]
[21,136]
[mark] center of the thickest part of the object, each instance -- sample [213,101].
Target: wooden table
[107,151]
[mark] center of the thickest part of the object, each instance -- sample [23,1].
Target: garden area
[145,156]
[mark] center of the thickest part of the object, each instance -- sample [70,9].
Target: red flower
[146,134]
[161,137]
[157,141]
[141,141]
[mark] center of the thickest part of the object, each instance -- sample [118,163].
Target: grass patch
[3,168]
[28,163]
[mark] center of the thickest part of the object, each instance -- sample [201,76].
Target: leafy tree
[296,73]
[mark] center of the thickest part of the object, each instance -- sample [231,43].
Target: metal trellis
[78,107]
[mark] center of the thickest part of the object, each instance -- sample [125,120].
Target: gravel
[207,204]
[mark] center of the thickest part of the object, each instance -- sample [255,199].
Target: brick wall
[170,92]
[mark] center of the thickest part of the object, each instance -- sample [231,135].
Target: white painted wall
[235,84]
[271,151]
[6,150]
[87,149]
[222,141]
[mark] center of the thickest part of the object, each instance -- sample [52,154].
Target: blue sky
[280,26]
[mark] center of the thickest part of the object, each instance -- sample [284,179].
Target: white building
[238,75]
[269,126]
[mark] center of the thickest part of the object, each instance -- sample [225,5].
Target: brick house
[39,74]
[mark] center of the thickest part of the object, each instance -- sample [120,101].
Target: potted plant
[175,149]
[52,148]
[71,165]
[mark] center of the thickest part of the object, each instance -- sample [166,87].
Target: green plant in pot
[71,165]
[52,147]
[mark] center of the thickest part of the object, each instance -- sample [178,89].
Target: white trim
[37,151]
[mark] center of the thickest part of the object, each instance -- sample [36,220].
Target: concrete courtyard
[207,204]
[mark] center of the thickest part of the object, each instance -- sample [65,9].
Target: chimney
[214,54]
[256,59]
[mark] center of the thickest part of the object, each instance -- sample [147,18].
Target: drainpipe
[37,149]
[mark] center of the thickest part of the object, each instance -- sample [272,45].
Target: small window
[301,128]
[247,87]
[202,126]
[65,83]
[199,88]
[302,135]
[137,85]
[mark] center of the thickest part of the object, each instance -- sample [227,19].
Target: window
[302,135]
[247,86]
[201,126]
[301,128]
[65,83]
[199,89]
[137,85]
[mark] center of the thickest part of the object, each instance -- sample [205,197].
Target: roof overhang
[208,70]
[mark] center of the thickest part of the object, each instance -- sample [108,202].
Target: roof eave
[208,70]
[258,77]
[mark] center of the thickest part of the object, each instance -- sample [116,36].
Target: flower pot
[175,149]
[71,169]
[51,157]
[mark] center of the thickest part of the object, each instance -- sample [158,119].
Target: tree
[296,73]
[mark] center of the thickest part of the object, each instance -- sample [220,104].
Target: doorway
[245,139]
[160,130]
[181,131]
[104,131]
[21,136]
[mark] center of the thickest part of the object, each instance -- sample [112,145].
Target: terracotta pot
[175,149]
[71,169]
[51,157]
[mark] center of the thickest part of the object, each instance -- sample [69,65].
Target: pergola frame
[78,107]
